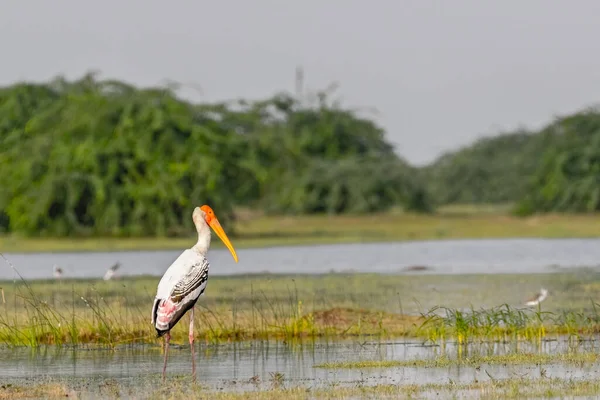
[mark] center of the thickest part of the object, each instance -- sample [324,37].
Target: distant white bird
[538,298]
[111,271]
[185,280]
[57,271]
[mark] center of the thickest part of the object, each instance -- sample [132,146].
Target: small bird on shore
[58,272]
[185,280]
[538,298]
[111,271]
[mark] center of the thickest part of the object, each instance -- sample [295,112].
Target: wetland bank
[329,335]
[381,320]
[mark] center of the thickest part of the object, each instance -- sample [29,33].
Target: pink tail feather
[164,314]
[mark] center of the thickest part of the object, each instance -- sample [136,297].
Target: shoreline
[277,231]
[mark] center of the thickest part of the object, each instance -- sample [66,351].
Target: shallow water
[488,256]
[233,366]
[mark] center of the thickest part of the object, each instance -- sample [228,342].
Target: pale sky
[440,73]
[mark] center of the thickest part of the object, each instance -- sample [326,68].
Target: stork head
[205,216]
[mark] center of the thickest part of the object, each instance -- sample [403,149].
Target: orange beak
[213,222]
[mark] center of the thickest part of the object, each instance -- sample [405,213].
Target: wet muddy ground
[549,365]
[134,371]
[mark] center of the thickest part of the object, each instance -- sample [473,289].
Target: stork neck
[203,242]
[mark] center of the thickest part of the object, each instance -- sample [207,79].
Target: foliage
[556,169]
[492,170]
[568,179]
[93,157]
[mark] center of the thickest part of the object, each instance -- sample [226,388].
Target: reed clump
[505,323]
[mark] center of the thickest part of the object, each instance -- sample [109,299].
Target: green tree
[93,157]
[492,170]
[568,179]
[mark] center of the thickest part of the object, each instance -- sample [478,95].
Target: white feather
[111,271]
[538,298]
[180,268]
[108,275]
[189,269]
[57,271]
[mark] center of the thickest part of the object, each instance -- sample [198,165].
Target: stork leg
[167,340]
[191,337]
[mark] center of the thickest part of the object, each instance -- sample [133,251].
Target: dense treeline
[568,179]
[556,169]
[492,170]
[93,157]
[101,157]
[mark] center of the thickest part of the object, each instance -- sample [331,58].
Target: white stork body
[57,271]
[179,289]
[538,298]
[111,271]
[185,281]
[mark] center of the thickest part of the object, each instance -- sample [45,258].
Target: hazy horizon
[440,74]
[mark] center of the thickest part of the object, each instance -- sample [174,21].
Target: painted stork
[57,271]
[111,271]
[538,298]
[185,280]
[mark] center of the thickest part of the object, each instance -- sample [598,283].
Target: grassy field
[476,315]
[255,230]
[436,308]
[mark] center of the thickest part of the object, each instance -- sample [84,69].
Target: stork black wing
[192,285]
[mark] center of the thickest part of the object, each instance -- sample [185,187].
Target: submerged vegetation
[516,358]
[511,388]
[367,308]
